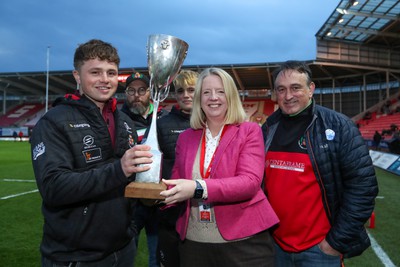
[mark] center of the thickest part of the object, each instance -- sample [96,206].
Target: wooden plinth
[145,190]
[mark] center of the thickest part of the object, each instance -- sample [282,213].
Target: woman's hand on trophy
[136,160]
[178,190]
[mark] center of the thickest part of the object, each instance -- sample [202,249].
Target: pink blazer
[234,187]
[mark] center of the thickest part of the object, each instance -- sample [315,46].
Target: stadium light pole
[4,98]
[47,78]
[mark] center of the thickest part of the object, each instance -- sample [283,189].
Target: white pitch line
[19,180]
[20,194]
[380,253]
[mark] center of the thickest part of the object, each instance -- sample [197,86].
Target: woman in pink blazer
[217,178]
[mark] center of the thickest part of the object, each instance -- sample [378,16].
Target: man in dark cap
[140,109]
[138,105]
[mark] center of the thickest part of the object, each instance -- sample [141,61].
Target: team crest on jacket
[302,143]
[131,141]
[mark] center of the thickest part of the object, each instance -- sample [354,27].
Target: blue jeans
[147,217]
[122,258]
[312,257]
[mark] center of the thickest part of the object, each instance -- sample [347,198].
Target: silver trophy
[165,56]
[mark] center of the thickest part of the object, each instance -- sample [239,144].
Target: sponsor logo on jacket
[79,125]
[91,152]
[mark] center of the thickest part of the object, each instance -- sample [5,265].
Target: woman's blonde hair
[235,111]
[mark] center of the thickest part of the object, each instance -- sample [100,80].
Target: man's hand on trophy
[136,159]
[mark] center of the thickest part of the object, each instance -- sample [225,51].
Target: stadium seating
[20,114]
[378,123]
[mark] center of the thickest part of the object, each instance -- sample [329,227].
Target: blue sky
[217,31]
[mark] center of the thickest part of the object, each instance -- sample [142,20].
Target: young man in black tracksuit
[169,128]
[84,153]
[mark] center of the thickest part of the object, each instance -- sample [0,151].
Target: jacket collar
[276,116]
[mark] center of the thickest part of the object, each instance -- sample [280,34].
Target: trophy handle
[159,95]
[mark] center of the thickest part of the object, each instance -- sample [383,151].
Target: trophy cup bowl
[165,56]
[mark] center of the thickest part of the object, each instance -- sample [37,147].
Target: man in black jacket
[84,153]
[138,105]
[140,109]
[319,177]
[169,128]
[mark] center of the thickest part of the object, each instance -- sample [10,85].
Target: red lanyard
[203,155]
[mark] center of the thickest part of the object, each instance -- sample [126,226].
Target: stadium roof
[368,22]
[374,24]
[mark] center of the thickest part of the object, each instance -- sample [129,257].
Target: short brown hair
[95,49]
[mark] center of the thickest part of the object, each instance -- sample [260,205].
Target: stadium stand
[20,114]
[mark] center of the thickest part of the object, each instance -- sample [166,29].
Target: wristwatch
[198,192]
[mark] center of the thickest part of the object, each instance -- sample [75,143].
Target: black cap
[137,76]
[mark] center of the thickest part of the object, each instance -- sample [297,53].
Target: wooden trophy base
[145,190]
